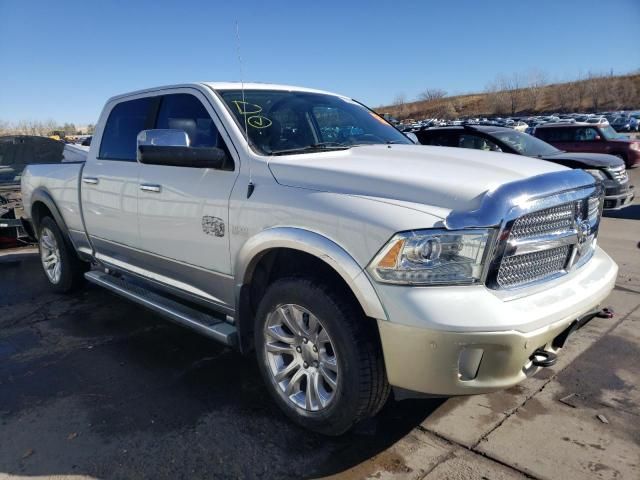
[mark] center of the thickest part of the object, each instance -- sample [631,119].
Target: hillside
[595,93]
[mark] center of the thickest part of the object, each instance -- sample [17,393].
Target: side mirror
[413,137]
[170,147]
[597,138]
[163,137]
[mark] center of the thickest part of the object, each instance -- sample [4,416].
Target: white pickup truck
[299,225]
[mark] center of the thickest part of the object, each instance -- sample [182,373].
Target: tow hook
[606,312]
[543,358]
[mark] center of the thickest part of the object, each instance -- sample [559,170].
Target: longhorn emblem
[213,226]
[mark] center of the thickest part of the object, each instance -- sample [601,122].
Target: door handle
[147,187]
[90,180]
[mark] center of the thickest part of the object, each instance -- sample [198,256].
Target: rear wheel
[319,356]
[63,269]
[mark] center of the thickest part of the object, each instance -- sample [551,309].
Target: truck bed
[61,181]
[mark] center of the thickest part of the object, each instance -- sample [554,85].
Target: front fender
[317,245]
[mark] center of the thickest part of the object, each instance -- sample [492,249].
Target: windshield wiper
[314,147]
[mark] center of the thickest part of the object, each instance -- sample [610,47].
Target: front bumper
[450,342]
[617,198]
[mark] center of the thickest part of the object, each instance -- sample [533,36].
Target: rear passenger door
[109,188]
[183,212]
[562,138]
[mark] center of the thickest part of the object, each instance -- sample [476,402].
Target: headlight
[635,146]
[597,174]
[432,257]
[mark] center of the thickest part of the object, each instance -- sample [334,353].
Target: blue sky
[63,59]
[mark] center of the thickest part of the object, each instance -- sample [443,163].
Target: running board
[177,312]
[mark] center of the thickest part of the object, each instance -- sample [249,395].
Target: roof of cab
[227,86]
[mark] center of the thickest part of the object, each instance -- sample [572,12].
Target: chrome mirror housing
[165,137]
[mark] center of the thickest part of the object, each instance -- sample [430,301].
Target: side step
[177,312]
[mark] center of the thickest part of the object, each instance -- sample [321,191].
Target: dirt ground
[93,386]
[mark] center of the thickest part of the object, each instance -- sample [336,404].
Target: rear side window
[477,142]
[556,134]
[440,139]
[585,134]
[185,112]
[126,120]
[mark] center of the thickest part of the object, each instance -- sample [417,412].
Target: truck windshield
[609,133]
[283,122]
[526,144]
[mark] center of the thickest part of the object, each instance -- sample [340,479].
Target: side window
[441,139]
[556,134]
[185,112]
[586,134]
[477,143]
[125,121]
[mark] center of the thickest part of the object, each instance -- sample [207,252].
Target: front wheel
[319,356]
[61,266]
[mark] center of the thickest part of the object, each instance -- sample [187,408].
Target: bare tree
[596,89]
[623,93]
[536,82]
[512,87]
[431,94]
[579,91]
[400,102]
[458,105]
[497,103]
[563,94]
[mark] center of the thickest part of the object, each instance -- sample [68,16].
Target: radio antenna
[250,187]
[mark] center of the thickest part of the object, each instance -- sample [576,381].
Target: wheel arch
[302,244]
[42,203]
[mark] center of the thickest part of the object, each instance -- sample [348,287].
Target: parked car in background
[608,169]
[597,121]
[625,124]
[520,126]
[599,138]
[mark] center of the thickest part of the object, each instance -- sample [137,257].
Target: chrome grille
[531,267]
[547,243]
[619,174]
[549,220]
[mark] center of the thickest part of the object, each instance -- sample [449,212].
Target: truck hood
[432,179]
[585,160]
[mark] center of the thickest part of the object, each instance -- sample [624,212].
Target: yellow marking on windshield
[258,121]
[246,108]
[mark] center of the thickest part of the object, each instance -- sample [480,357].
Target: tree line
[43,128]
[527,93]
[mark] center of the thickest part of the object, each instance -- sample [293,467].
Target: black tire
[363,387]
[72,269]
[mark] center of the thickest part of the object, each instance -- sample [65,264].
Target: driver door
[183,212]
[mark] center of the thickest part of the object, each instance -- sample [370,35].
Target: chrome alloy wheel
[50,255]
[301,357]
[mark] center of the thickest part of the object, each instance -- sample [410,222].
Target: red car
[582,137]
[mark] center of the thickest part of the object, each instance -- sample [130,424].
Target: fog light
[469,363]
